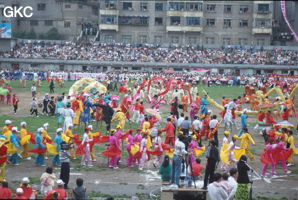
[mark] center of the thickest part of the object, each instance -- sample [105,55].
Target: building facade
[186,22]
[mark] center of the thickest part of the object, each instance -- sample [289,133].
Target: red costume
[205,128]
[5,193]
[125,105]
[261,116]
[285,115]
[270,119]
[170,136]
[62,194]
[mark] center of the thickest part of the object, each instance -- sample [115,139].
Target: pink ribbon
[284,12]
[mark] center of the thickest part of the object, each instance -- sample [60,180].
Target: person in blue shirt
[14,143]
[58,111]
[40,156]
[203,107]
[58,140]
[243,120]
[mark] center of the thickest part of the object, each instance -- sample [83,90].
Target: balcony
[183,28]
[109,27]
[108,12]
[184,13]
[264,30]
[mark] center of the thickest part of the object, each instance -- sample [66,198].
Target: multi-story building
[70,17]
[186,22]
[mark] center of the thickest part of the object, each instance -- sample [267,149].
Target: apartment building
[186,22]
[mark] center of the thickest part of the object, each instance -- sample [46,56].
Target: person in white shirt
[86,158]
[233,183]
[215,191]
[212,125]
[180,120]
[33,90]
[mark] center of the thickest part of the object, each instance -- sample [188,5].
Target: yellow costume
[120,116]
[246,141]
[25,142]
[76,120]
[5,129]
[291,142]
[91,135]
[45,137]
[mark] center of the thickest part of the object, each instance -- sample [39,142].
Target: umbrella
[284,124]
[153,112]
[115,97]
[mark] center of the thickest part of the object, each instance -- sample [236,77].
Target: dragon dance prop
[91,83]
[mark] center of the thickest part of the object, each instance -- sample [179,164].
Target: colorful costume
[58,140]
[13,146]
[120,116]
[3,158]
[246,141]
[77,107]
[86,115]
[25,137]
[41,147]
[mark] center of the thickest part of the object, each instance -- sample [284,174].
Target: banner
[5,30]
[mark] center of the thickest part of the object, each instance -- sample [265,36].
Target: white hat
[14,128]
[90,127]
[60,182]
[23,123]
[59,130]
[45,124]
[39,130]
[70,125]
[25,180]
[7,121]
[19,191]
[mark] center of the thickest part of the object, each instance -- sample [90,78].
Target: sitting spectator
[62,194]
[215,191]
[194,171]
[166,169]
[225,183]
[20,194]
[79,192]
[28,192]
[233,183]
[47,180]
[5,192]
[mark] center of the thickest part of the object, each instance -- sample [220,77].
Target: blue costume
[40,157]
[86,115]
[243,118]
[203,107]
[14,158]
[107,99]
[59,106]
[58,140]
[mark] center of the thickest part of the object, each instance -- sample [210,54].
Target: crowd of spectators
[151,53]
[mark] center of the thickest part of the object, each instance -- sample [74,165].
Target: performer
[121,117]
[143,150]
[243,122]
[25,145]
[226,141]
[7,128]
[77,107]
[3,158]
[68,115]
[291,145]
[69,134]
[246,141]
[136,112]
[14,144]
[86,115]
[130,143]
[58,111]
[28,192]
[86,158]
[125,105]
[269,154]
[45,137]
[41,147]
[185,101]
[91,136]
[23,80]
[107,112]
[158,149]
[205,128]
[113,152]
[270,118]
[15,102]
[170,132]
[58,140]
[203,107]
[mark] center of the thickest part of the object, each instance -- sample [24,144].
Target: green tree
[31,35]
[19,34]
[52,34]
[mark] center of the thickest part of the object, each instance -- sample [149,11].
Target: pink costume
[269,148]
[130,142]
[154,104]
[8,96]
[137,140]
[282,148]
[158,145]
[192,146]
[143,150]
[114,144]
[86,158]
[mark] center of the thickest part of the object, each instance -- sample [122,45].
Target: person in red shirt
[28,192]
[170,132]
[62,194]
[20,194]
[285,115]
[52,195]
[194,171]
[142,109]
[5,192]
[15,102]
[270,118]
[261,116]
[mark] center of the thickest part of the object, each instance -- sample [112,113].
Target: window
[67,6]
[260,42]
[284,71]
[243,23]
[110,4]
[210,40]
[157,39]
[48,22]
[158,21]
[80,6]
[143,39]
[243,9]
[67,24]
[132,20]
[193,6]
[192,40]
[227,23]
[178,6]
[158,6]
[94,11]
[109,39]
[84,68]
[175,20]
[227,8]
[263,8]
[242,41]
[108,19]
[226,41]
[143,6]
[192,21]
[33,22]
[175,39]
[263,23]
[210,22]
[136,68]
[126,38]
[127,5]
[41,6]
[210,7]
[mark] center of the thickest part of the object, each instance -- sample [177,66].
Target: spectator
[47,180]
[194,171]
[20,194]
[166,169]
[242,180]
[79,192]
[185,126]
[215,191]
[28,192]
[34,107]
[212,156]
[64,156]
[5,192]
[233,183]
